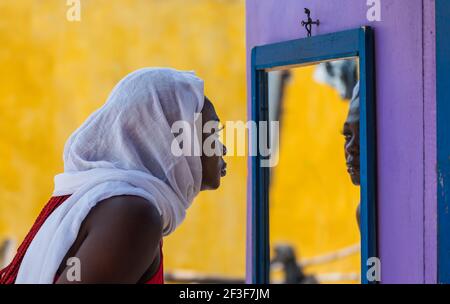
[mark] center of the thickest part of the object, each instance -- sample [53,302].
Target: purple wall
[406,118]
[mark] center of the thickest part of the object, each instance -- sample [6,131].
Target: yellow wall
[313,201]
[54,73]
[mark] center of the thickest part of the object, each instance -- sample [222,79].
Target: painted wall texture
[55,73]
[405,91]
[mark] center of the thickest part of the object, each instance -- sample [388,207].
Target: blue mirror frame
[352,43]
[443,138]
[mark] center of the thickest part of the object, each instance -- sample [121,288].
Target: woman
[122,188]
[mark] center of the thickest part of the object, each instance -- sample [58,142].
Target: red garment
[158,277]
[8,274]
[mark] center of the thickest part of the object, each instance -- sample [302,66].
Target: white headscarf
[124,148]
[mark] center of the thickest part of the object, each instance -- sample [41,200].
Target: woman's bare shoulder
[128,211]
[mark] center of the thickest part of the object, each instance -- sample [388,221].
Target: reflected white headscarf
[124,148]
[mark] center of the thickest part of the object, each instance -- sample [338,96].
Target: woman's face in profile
[213,167]
[351,147]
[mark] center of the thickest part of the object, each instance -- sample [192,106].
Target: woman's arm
[122,240]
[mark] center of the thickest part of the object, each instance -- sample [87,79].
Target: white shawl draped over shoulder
[123,148]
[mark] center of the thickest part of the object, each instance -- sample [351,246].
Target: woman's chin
[355,180]
[211,185]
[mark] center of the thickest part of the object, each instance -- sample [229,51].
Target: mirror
[314,183]
[304,195]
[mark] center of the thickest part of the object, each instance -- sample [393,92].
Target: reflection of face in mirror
[351,134]
[351,147]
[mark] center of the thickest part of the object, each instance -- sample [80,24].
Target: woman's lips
[352,169]
[223,171]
